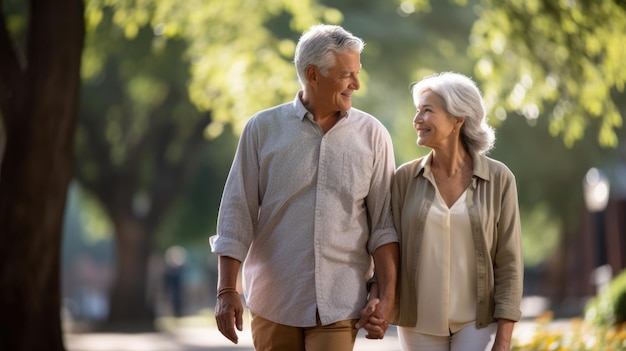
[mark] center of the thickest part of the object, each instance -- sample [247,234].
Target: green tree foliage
[238,66]
[560,60]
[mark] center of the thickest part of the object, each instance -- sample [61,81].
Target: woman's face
[435,128]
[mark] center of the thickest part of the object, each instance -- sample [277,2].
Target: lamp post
[596,188]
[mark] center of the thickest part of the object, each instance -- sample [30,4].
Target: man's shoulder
[286,107]
[362,117]
[360,114]
[270,114]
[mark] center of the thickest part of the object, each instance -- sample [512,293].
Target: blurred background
[166,87]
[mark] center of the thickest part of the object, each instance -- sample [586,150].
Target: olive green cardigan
[496,230]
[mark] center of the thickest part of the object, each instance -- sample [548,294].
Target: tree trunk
[130,308]
[38,102]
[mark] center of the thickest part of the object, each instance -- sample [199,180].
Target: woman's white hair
[318,46]
[462,98]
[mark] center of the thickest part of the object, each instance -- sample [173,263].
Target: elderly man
[306,208]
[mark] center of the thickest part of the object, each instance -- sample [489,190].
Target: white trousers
[467,339]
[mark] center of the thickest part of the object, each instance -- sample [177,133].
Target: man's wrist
[226,290]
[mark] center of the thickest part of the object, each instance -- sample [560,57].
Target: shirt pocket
[351,173]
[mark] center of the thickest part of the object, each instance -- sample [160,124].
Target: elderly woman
[457,216]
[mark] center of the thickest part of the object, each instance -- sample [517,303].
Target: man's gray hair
[462,98]
[318,46]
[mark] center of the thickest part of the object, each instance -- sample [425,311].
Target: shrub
[608,308]
[575,335]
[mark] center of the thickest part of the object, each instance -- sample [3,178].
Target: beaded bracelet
[223,291]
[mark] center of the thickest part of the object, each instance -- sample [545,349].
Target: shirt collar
[302,112]
[481,167]
[423,164]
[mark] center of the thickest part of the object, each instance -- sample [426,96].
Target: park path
[204,339]
[194,339]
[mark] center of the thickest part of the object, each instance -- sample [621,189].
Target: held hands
[373,319]
[229,313]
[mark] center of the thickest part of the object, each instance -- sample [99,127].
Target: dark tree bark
[38,104]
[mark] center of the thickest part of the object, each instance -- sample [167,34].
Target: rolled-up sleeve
[508,261]
[238,213]
[379,198]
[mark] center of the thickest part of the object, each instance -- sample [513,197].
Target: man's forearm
[228,270]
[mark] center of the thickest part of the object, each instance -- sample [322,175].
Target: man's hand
[229,314]
[379,308]
[366,312]
[372,317]
[376,326]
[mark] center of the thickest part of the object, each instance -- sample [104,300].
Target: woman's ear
[460,121]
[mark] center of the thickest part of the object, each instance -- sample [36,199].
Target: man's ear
[311,73]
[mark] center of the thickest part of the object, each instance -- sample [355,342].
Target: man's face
[333,92]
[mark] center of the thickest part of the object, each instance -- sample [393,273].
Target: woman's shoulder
[497,168]
[411,168]
[411,165]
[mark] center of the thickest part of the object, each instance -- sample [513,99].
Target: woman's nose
[417,118]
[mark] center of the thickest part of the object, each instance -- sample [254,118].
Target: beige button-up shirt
[493,208]
[305,210]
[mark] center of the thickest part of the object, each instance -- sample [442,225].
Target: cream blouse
[447,298]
